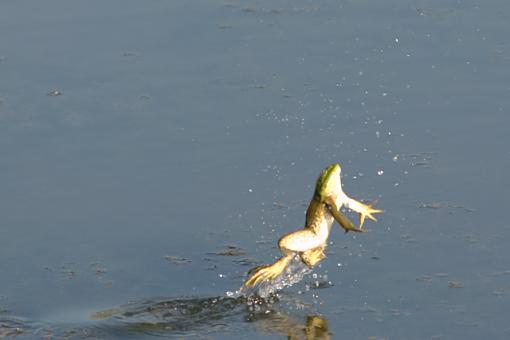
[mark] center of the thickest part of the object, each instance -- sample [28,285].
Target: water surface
[140,141]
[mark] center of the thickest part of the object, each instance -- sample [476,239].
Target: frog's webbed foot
[267,272]
[366,212]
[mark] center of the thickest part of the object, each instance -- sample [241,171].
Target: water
[140,141]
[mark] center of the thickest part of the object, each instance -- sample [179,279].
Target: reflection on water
[315,327]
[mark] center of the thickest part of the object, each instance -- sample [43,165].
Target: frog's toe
[256,269]
[267,272]
[259,274]
[250,282]
[367,213]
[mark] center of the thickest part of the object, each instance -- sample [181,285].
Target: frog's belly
[322,233]
[308,238]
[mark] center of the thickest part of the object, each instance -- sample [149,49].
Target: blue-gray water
[184,127]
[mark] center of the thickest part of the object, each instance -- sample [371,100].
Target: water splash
[293,274]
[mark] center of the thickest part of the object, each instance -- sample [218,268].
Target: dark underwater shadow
[264,309]
[235,315]
[183,317]
[200,317]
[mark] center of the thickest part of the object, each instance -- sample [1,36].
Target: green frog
[311,241]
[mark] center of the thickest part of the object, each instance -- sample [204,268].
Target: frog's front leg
[339,217]
[296,242]
[364,210]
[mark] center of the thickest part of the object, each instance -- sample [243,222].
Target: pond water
[153,152]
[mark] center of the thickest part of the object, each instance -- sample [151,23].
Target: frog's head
[328,183]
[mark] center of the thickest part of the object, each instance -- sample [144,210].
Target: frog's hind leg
[268,272]
[296,242]
[313,256]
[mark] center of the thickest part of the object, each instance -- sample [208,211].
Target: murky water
[153,152]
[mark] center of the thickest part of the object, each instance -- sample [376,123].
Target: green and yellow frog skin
[311,241]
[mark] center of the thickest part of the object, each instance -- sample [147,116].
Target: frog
[310,242]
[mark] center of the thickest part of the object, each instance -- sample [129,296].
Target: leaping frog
[311,241]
